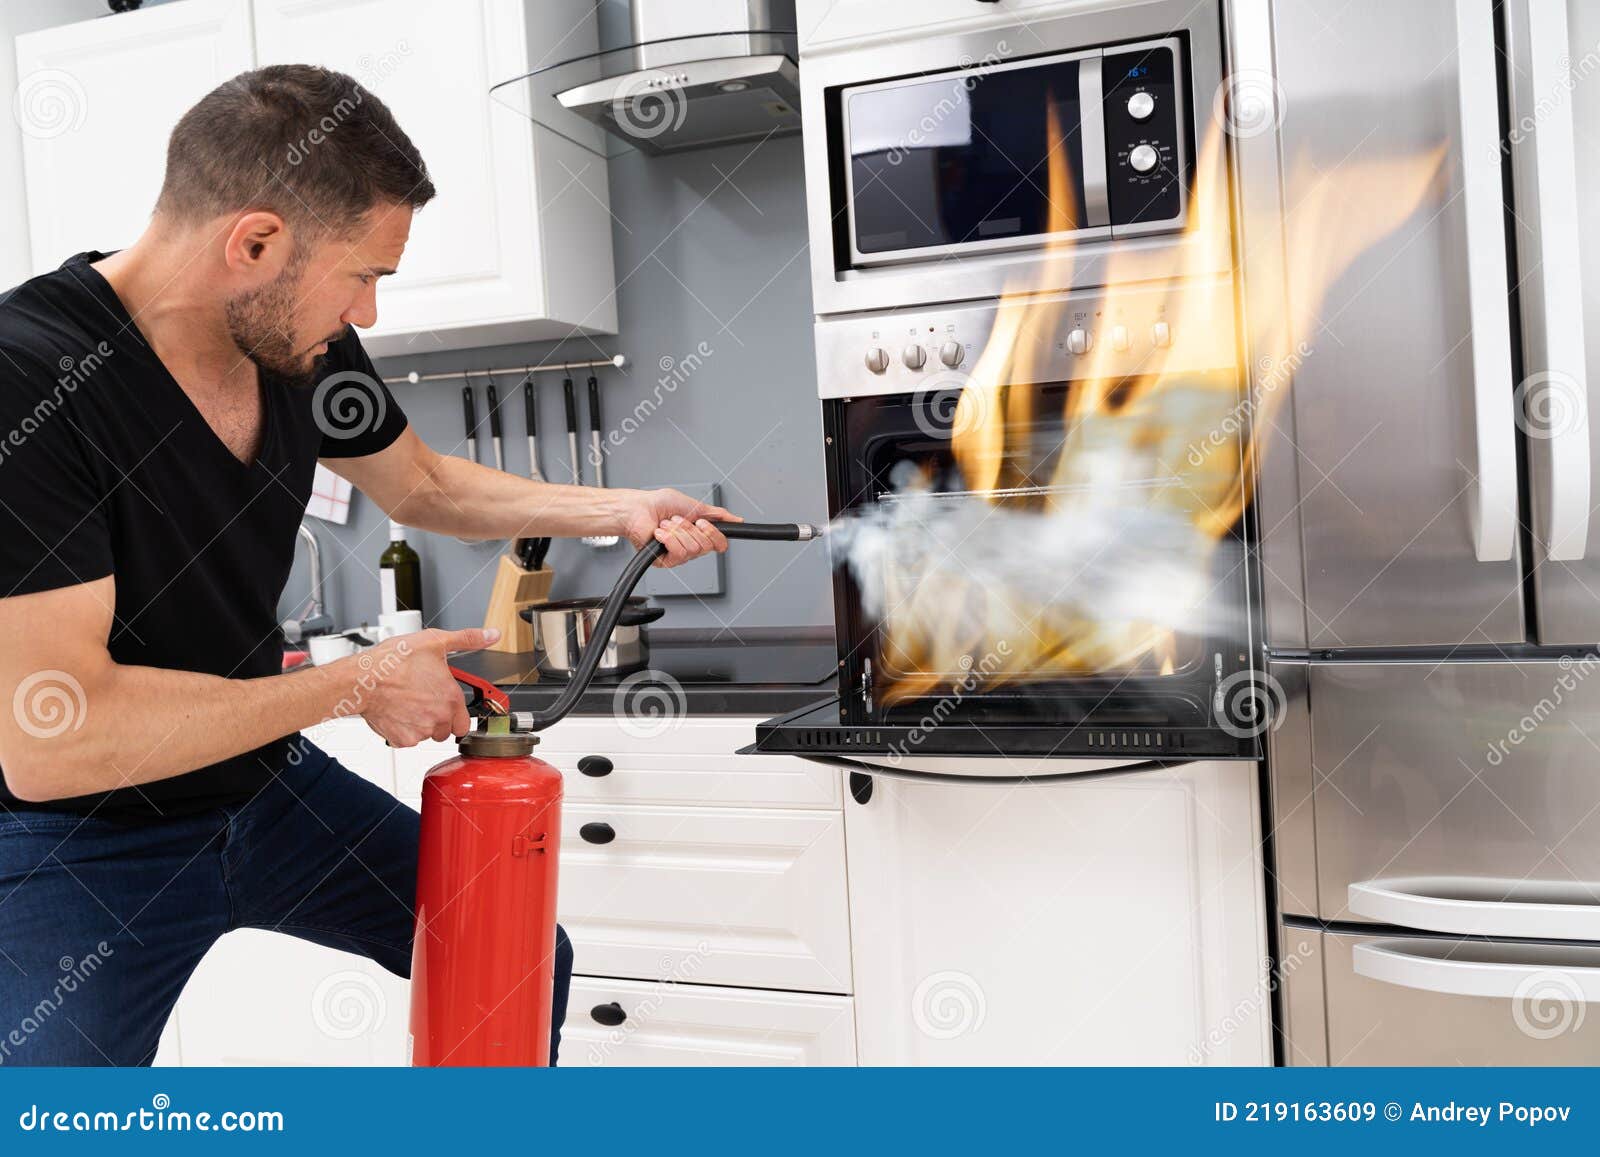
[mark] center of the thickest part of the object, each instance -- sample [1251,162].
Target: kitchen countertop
[754,673]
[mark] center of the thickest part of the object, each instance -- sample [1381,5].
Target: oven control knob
[951,353]
[1161,335]
[877,359]
[1119,338]
[1080,341]
[914,356]
[1143,158]
[1141,105]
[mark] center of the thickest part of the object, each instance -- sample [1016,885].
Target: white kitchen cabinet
[517,244]
[265,998]
[709,895]
[681,1025]
[1111,921]
[96,101]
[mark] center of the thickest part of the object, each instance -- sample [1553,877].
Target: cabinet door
[96,102]
[710,895]
[1117,921]
[625,1022]
[263,998]
[513,197]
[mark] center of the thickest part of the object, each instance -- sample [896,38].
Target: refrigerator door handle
[1519,972]
[1493,500]
[1553,401]
[1473,906]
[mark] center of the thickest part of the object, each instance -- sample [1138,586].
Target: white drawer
[691,762]
[709,895]
[677,1024]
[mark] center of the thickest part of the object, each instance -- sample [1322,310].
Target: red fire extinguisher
[483,960]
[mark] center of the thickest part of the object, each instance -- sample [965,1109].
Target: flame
[1141,490]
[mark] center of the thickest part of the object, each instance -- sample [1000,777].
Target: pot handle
[639,616]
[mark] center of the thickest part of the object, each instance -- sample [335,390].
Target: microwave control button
[951,353]
[1143,158]
[1119,338]
[1080,341]
[1161,335]
[877,359]
[1141,105]
[913,356]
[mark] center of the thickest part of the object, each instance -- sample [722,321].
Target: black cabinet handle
[598,833]
[595,765]
[609,1015]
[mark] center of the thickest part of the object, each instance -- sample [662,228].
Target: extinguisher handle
[486,698]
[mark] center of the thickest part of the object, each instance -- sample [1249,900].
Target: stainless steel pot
[566,627]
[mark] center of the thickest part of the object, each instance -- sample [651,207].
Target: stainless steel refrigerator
[1430,555]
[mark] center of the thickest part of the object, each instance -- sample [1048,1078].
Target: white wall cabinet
[517,245]
[1112,921]
[96,102]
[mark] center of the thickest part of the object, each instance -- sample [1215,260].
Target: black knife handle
[494,410]
[572,405]
[530,408]
[469,410]
[594,405]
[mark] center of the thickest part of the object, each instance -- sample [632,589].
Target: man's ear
[257,246]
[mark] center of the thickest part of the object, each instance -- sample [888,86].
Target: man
[161,413]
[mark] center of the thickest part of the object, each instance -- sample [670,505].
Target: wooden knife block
[514,588]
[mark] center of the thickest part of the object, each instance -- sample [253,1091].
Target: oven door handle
[1524,972]
[1099,770]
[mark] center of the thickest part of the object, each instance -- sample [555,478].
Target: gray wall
[747,417]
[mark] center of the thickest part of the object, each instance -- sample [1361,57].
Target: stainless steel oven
[1032,398]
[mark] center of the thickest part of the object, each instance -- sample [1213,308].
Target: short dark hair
[308,143]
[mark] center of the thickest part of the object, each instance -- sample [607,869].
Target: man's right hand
[404,689]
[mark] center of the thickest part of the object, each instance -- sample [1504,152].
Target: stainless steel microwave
[1015,154]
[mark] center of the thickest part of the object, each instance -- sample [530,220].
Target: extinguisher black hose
[583,672]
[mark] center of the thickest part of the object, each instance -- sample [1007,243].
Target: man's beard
[261,323]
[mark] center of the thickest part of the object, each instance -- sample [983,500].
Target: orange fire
[1153,471]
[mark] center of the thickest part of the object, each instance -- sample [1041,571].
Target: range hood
[699,73]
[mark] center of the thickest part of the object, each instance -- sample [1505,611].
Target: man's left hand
[678,522]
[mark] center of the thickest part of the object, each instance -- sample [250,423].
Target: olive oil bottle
[399,574]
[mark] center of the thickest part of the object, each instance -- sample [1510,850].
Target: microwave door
[1403,489]
[1557,181]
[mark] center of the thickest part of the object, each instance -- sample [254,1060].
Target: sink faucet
[316,621]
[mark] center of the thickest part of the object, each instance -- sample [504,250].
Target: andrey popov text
[1448,1113]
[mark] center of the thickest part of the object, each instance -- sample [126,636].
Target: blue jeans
[102,922]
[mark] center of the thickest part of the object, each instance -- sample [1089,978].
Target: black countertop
[751,674]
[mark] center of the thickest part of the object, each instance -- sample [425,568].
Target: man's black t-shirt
[107,468]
